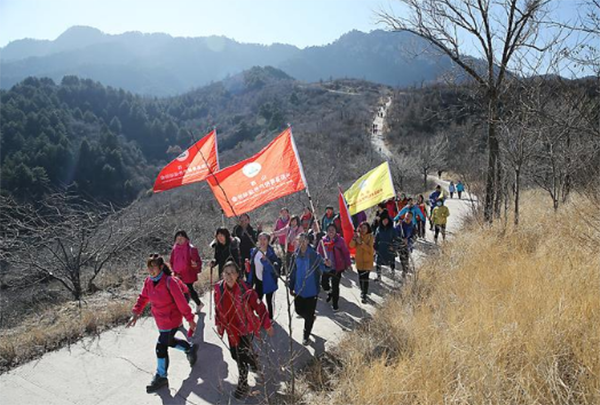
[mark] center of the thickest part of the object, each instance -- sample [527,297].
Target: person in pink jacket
[168,307]
[334,250]
[186,264]
[282,222]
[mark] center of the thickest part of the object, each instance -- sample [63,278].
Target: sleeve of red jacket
[180,301]
[196,257]
[259,307]
[141,302]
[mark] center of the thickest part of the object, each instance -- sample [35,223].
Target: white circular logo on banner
[251,169]
[363,184]
[183,156]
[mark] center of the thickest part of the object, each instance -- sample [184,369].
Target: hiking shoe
[305,342]
[241,391]
[336,308]
[156,383]
[192,354]
[363,300]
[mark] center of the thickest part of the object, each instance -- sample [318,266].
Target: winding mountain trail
[115,366]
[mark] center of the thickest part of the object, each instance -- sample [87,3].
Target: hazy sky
[297,22]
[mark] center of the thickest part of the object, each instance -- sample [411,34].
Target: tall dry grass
[501,316]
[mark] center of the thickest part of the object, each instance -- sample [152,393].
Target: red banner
[346,219]
[193,165]
[274,172]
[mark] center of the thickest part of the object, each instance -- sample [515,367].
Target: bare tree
[69,240]
[521,132]
[498,31]
[429,154]
[568,146]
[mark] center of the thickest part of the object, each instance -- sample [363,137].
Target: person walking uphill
[440,218]
[226,249]
[186,264]
[247,236]
[433,198]
[307,268]
[264,270]
[460,188]
[386,240]
[241,314]
[363,242]
[337,259]
[168,307]
[451,189]
[282,222]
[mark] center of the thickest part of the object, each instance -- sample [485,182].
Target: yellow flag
[371,189]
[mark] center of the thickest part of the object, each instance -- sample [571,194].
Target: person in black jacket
[247,236]
[226,249]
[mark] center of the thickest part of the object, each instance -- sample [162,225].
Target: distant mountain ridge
[160,65]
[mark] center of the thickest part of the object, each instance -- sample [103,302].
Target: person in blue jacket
[460,188]
[413,209]
[264,270]
[304,283]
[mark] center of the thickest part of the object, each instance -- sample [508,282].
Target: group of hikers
[305,253]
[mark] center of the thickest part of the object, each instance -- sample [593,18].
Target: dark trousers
[459,195]
[259,290]
[306,307]
[333,285]
[193,293]
[244,356]
[392,267]
[363,282]
[167,339]
[421,228]
[438,229]
[451,194]
[404,258]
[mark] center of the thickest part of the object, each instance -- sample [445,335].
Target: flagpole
[306,189]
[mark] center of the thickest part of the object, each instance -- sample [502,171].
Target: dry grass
[66,323]
[62,325]
[502,316]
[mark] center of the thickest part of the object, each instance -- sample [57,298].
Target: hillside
[159,65]
[109,143]
[503,315]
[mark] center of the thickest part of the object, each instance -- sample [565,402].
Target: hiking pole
[210,305]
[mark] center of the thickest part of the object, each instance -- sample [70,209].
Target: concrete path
[115,367]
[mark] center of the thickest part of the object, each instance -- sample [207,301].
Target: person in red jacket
[392,207]
[168,306]
[186,264]
[240,313]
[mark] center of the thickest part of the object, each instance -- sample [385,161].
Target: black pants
[193,293]
[167,339]
[392,267]
[244,356]
[363,281]
[421,228]
[451,194]
[333,285]
[459,194]
[306,307]
[259,290]
[404,258]
[438,229]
